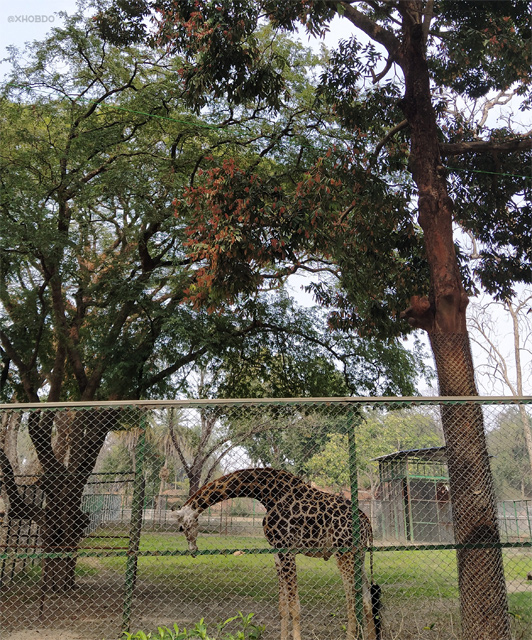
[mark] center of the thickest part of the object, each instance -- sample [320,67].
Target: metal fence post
[516,520]
[355,518]
[137,505]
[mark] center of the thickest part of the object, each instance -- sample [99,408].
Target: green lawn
[405,576]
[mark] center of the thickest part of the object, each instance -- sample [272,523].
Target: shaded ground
[91,614]
[40,634]
[419,596]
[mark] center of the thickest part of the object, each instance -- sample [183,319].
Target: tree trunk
[194,477]
[483,598]
[63,483]
[62,532]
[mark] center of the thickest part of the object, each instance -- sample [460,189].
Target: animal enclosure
[95,552]
[416,504]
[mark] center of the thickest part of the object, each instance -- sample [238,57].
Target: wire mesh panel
[50,486]
[117,518]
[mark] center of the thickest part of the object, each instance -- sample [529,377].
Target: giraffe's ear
[186,516]
[179,518]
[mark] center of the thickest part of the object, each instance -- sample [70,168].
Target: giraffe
[298,517]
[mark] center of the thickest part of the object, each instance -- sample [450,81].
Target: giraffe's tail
[375,593]
[370,544]
[376,606]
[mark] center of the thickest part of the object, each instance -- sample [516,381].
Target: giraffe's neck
[265,485]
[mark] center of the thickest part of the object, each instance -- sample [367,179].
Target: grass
[404,575]
[420,591]
[520,606]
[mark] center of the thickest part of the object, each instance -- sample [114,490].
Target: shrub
[247,631]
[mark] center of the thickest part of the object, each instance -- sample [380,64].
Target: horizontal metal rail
[154,404]
[122,552]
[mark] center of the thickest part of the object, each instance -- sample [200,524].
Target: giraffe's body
[298,517]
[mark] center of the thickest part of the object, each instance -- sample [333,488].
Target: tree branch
[428,15]
[164,373]
[523,143]
[379,76]
[25,373]
[501,98]
[178,449]
[373,30]
[398,127]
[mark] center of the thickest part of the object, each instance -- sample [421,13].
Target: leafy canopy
[100,166]
[353,207]
[377,434]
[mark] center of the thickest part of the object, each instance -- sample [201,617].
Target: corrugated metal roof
[432,454]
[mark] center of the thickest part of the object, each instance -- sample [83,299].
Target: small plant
[248,631]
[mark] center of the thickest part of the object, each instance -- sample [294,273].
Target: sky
[28,20]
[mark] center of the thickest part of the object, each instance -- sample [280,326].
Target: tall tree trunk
[63,483]
[483,598]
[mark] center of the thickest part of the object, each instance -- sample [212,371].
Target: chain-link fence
[120,517]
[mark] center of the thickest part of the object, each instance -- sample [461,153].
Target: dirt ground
[95,613]
[48,634]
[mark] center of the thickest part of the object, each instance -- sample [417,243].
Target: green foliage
[85,255]
[101,263]
[510,462]
[353,207]
[330,467]
[248,631]
[290,448]
[377,433]
[468,60]
[308,361]
[503,230]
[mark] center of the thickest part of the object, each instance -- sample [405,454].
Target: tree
[416,48]
[84,264]
[510,456]
[377,434]
[501,370]
[95,280]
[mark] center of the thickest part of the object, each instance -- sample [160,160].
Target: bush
[247,631]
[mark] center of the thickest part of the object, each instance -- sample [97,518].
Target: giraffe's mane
[267,471]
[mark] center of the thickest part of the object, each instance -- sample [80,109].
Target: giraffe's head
[187,519]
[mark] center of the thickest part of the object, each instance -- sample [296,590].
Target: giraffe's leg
[283,599]
[346,565]
[288,595]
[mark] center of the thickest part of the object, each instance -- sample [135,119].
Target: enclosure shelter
[515,517]
[114,559]
[416,505]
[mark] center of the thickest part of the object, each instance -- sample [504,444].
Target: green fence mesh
[91,517]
